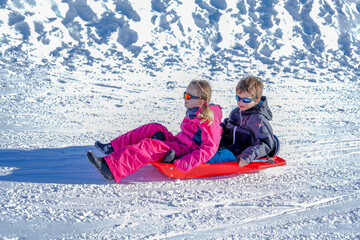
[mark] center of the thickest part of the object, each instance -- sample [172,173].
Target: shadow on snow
[67,165]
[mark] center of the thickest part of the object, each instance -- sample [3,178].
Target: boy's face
[245,106]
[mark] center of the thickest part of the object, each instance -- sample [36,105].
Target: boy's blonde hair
[204,91]
[251,84]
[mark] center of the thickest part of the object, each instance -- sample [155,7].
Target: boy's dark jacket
[248,134]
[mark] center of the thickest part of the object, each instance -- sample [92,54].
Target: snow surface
[73,72]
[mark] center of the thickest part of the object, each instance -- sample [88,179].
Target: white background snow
[72,72]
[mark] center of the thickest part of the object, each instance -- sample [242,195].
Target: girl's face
[245,106]
[191,103]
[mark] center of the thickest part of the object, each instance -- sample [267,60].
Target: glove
[170,157]
[242,162]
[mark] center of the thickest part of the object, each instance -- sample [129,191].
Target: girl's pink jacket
[203,139]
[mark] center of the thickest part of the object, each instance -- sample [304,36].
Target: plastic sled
[217,169]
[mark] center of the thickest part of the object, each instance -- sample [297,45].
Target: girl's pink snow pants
[135,149]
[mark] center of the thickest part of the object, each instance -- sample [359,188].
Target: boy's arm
[264,141]
[224,126]
[231,122]
[233,119]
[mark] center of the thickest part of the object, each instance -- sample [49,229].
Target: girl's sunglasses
[188,96]
[244,100]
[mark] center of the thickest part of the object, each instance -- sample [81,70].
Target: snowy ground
[72,72]
[48,190]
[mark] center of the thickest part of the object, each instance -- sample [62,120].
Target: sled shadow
[64,166]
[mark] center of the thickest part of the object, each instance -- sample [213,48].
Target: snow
[66,86]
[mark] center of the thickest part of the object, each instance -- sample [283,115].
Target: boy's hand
[242,162]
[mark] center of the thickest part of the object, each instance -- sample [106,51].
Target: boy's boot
[104,148]
[101,165]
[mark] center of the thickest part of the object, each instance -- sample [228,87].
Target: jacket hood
[261,108]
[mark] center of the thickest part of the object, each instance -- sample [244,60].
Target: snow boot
[104,148]
[170,157]
[101,165]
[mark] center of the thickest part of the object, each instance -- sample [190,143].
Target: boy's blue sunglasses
[244,100]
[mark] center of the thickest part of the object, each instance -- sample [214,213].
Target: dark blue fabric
[223,155]
[197,137]
[191,113]
[252,132]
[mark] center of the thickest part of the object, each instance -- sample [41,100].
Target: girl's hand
[170,157]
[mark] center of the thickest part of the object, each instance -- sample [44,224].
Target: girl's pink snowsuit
[195,144]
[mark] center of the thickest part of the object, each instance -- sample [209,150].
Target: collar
[191,113]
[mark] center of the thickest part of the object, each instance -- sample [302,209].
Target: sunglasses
[244,100]
[188,96]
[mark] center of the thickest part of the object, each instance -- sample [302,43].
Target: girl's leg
[129,159]
[140,133]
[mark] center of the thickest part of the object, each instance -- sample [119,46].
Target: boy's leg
[222,155]
[140,133]
[128,160]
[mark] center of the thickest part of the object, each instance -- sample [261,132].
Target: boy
[247,133]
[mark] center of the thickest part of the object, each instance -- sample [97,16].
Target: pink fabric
[135,149]
[210,136]
[140,133]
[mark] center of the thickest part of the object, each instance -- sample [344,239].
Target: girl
[197,142]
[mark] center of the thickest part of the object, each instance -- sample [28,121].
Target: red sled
[218,169]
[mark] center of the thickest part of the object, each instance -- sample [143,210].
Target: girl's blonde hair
[204,90]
